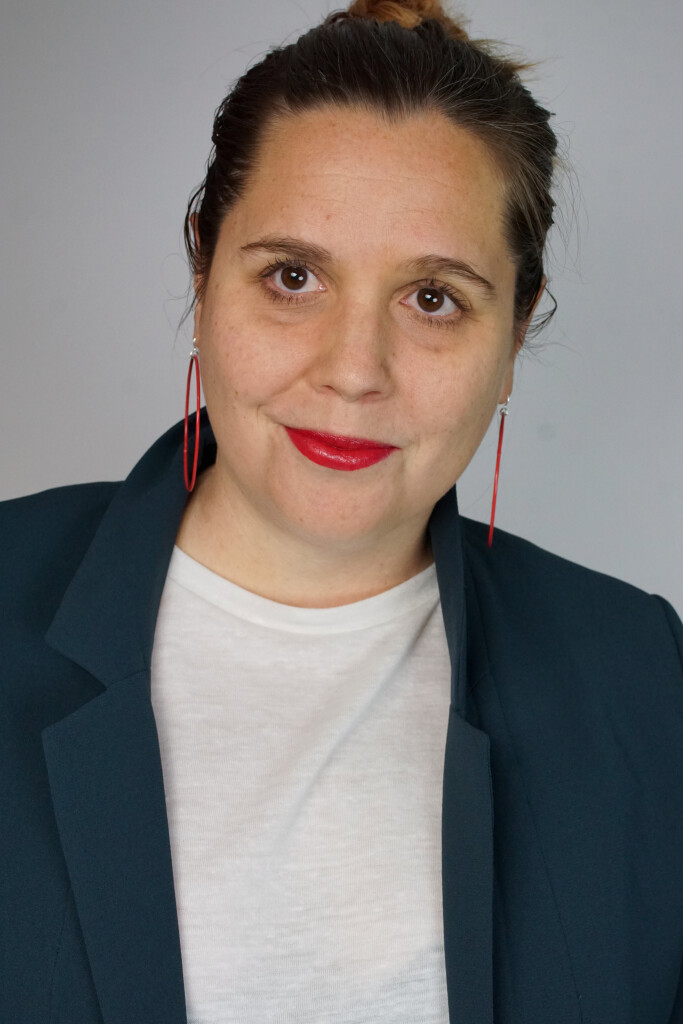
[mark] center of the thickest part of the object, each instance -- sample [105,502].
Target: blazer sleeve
[675,625]
[677,1011]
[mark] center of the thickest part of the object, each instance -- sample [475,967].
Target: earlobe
[196,280]
[507,389]
[508,382]
[197,317]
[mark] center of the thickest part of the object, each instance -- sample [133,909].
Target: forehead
[414,182]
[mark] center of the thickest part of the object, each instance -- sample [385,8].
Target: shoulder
[71,499]
[45,536]
[540,600]
[38,518]
[524,572]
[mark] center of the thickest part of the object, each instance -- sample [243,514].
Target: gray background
[106,121]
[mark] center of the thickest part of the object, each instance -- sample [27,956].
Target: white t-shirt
[303,752]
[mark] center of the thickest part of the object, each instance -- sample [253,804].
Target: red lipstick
[337,452]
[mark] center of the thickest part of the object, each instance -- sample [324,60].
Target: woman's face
[359,338]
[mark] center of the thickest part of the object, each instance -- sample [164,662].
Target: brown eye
[440,307]
[293,277]
[288,279]
[430,299]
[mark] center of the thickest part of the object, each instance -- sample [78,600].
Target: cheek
[245,365]
[453,403]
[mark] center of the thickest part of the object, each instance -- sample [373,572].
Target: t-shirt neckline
[387,606]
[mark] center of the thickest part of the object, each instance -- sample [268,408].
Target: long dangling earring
[194,365]
[503,413]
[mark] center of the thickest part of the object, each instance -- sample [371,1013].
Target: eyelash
[432,321]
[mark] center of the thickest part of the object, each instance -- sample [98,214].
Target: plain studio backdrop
[106,122]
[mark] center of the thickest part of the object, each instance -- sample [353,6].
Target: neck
[234,540]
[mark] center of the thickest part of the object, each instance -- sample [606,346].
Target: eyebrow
[428,264]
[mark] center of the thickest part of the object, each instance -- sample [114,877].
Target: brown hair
[396,57]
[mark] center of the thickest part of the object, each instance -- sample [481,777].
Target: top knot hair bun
[408,14]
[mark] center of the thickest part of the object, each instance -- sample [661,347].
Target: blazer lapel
[533,976]
[467,814]
[103,760]
[505,947]
[108,796]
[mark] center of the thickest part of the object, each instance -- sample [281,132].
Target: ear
[509,377]
[525,325]
[196,279]
[194,220]
[197,318]
[519,341]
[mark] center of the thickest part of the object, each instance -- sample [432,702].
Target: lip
[338,452]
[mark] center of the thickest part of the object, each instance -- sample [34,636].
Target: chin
[341,524]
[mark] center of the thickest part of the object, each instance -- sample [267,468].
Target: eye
[295,276]
[293,280]
[430,302]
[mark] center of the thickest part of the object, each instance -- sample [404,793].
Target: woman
[285,736]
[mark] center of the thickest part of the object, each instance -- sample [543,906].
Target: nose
[353,358]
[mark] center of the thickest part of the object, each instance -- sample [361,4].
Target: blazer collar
[105,770]
[106,620]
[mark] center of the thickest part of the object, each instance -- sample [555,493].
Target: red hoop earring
[194,365]
[503,413]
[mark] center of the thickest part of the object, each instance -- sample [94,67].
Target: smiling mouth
[337,452]
[341,442]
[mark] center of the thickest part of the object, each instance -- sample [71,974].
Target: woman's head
[365,266]
[397,59]
[360,287]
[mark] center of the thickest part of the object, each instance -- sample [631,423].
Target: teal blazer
[562,822]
